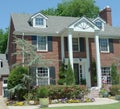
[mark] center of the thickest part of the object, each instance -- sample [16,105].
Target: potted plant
[43,96]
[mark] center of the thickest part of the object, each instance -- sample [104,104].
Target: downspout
[23,60]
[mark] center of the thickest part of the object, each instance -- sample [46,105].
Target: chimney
[106,15]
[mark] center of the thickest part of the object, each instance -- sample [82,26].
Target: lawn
[110,106]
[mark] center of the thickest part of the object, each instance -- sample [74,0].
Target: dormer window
[98,24]
[39,21]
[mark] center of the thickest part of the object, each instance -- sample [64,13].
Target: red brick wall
[106,58]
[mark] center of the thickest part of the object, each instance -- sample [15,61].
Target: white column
[62,48]
[98,65]
[70,49]
[88,76]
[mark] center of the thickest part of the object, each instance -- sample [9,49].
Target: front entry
[79,70]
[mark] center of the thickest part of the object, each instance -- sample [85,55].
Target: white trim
[62,48]
[46,44]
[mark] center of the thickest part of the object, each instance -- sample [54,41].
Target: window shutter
[50,45]
[66,43]
[32,71]
[52,75]
[111,45]
[34,41]
[82,44]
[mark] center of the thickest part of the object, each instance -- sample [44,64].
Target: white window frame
[40,21]
[48,77]
[78,44]
[108,48]
[46,44]
[99,24]
[107,74]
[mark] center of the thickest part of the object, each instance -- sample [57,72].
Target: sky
[32,6]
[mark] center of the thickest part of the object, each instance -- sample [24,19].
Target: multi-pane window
[106,75]
[42,76]
[75,42]
[42,43]
[104,45]
[39,21]
[98,24]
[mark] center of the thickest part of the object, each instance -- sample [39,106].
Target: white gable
[84,25]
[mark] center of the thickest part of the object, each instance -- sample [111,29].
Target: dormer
[38,20]
[99,22]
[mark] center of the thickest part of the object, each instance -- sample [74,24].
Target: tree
[3,40]
[62,75]
[16,84]
[75,8]
[114,75]
[70,77]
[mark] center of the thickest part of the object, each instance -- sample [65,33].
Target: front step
[94,92]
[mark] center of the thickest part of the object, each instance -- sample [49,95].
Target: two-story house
[81,40]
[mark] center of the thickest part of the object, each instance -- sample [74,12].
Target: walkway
[2,103]
[98,101]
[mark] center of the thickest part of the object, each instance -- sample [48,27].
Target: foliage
[31,58]
[75,8]
[117,97]
[70,77]
[62,75]
[114,75]
[94,72]
[15,83]
[3,40]
[42,92]
[59,92]
[115,90]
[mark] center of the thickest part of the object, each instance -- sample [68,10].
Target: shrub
[115,90]
[42,92]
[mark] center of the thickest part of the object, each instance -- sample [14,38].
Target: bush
[42,92]
[115,90]
[58,92]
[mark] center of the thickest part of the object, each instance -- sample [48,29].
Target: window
[43,76]
[104,45]
[39,21]
[98,24]
[42,43]
[75,42]
[1,64]
[106,75]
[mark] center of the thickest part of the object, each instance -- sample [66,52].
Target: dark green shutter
[66,43]
[82,44]
[50,45]
[52,75]
[34,41]
[32,71]
[111,45]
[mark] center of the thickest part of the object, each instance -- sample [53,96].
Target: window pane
[43,76]
[75,44]
[39,21]
[106,74]
[98,24]
[103,45]
[42,43]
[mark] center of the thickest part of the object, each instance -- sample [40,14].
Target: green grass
[108,106]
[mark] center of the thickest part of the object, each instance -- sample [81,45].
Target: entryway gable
[84,25]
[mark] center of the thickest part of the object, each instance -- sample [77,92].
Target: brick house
[82,40]
[4,72]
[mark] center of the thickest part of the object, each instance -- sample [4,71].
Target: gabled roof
[55,25]
[5,69]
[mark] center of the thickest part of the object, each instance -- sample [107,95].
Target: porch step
[94,92]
